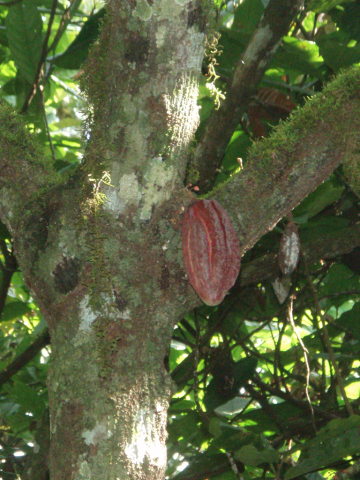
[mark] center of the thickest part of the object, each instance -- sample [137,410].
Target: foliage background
[244,380]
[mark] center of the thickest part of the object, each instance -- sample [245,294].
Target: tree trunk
[107,271]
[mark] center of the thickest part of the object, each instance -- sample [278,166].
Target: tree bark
[241,88]
[107,271]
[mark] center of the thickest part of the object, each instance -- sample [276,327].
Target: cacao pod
[211,250]
[289,252]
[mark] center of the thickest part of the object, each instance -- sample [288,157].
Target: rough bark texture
[108,276]
[286,167]
[108,273]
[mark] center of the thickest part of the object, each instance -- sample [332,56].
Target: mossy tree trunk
[101,250]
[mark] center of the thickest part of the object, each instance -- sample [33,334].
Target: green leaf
[339,439]
[348,19]
[28,399]
[78,51]
[247,16]
[338,50]
[24,33]
[258,421]
[339,279]
[204,465]
[298,56]
[14,310]
[250,455]
[326,194]
[349,321]
[320,6]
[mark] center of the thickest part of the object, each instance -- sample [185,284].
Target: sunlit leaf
[24,33]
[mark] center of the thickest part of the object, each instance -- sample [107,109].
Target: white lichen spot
[126,314]
[160,181]
[87,314]
[143,10]
[129,189]
[84,470]
[169,8]
[128,193]
[196,50]
[98,433]
[160,35]
[113,203]
[87,317]
[289,251]
[145,441]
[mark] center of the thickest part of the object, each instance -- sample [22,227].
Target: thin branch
[291,88]
[47,124]
[43,55]
[25,357]
[297,403]
[264,403]
[200,411]
[65,19]
[323,319]
[306,359]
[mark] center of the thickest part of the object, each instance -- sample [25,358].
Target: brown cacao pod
[211,250]
[289,252]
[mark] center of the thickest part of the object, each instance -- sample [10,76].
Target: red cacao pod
[211,250]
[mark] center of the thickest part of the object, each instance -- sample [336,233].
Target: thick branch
[324,247]
[241,87]
[299,156]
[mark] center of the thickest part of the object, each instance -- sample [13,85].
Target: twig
[65,19]
[305,352]
[263,401]
[43,55]
[292,88]
[47,124]
[323,319]
[201,412]
[234,466]
[298,403]
[25,357]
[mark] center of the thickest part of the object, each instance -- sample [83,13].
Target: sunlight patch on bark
[145,442]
